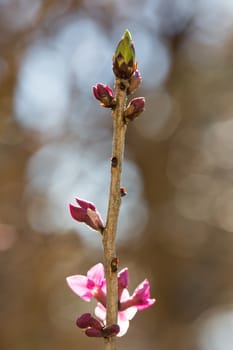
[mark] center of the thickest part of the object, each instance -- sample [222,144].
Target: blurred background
[176,224]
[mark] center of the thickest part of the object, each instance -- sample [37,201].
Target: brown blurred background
[176,224]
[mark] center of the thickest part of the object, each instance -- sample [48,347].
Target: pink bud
[134,108]
[104,94]
[87,213]
[94,323]
[88,321]
[84,320]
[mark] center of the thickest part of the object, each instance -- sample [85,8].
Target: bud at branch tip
[124,63]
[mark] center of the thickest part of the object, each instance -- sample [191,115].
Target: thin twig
[109,234]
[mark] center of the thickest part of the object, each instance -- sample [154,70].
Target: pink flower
[94,285]
[87,213]
[128,305]
[140,298]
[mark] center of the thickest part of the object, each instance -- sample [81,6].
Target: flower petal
[130,312]
[100,312]
[78,214]
[81,286]
[85,204]
[148,303]
[123,278]
[124,295]
[96,274]
[141,296]
[123,323]
[94,220]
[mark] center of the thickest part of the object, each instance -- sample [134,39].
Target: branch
[128,79]
[109,233]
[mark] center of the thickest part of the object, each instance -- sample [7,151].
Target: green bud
[124,64]
[125,52]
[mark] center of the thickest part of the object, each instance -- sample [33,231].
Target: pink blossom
[140,298]
[94,285]
[87,213]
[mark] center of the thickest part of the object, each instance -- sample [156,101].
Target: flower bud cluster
[93,285]
[125,70]
[94,328]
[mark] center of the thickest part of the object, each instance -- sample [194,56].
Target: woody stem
[109,233]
